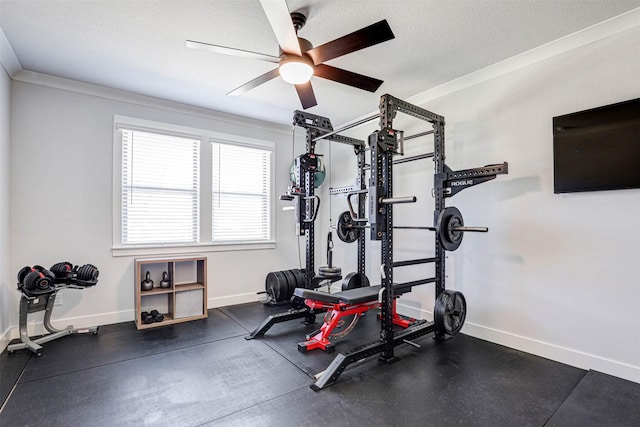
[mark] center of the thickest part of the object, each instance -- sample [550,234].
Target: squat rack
[317,128]
[306,208]
[384,144]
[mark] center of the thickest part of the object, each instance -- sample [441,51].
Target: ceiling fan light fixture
[296,70]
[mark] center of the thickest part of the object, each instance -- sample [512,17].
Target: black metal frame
[44,301]
[318,127]
[384,145]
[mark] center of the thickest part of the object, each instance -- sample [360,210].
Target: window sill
[122,251]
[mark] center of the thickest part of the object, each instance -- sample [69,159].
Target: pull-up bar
[346,127]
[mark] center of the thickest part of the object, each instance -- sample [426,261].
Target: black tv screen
[597,149]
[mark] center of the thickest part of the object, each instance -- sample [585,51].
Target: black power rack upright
[318,128]
[306,208]
[384,144]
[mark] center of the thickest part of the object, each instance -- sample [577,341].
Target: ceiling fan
[299,60]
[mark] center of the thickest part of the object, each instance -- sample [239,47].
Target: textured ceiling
[139,45]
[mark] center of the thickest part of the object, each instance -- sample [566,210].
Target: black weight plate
[448,219]
[23,273]
[271,285]
[354,280]
[88,272]
[344,228]
[61,269]
[299,275]
[450,312]
[30,280]
[291,284]
[282,286]
[329,272]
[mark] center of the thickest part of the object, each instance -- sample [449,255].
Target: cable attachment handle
[353,213]
[330,249]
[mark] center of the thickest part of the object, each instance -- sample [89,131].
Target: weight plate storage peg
[449,219]
[449,312]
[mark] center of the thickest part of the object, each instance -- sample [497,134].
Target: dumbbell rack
[33,302]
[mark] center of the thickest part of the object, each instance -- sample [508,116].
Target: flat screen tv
[597,149]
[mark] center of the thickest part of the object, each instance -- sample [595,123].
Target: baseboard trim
[232,300]
[37,328]
[5,338]
[544,349]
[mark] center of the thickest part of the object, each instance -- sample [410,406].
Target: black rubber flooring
[205,373]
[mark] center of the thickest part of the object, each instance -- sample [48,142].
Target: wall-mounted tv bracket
[384,144]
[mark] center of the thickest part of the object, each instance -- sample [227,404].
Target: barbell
[449,227]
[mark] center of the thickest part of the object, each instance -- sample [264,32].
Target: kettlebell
[147,283]
[164,283]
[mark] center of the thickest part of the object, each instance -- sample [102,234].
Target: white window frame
[205,137]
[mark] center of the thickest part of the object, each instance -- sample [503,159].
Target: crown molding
[48,80]
[8,57]
[594,33]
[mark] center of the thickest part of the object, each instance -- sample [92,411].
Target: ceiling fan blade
[306,95]
[365,37]
[347,77]
[280,19]
[255,82]
[231,51]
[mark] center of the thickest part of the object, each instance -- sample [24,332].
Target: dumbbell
[157,316]
[88,273]
[154,316]
[36,278]
[62,270]
[146,317]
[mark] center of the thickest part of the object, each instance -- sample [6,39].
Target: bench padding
[351,297]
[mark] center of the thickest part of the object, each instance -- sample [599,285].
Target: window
[160,182]
[176,188]
[241,194]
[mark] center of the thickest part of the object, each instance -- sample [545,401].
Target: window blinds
[241,193]
[160,188]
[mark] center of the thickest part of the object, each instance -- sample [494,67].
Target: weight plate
[281,285]
[61,269]
[300,277]
[88,273]
[354,280]
[449,312]
[318,176]
[23,273]
[448,220]
[329,272]
[291,284]
[345,228]
[271,286]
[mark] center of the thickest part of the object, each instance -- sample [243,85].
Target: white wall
[557,275]
[61,198]
[7,285]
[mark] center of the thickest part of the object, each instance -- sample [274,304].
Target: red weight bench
[338,306]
